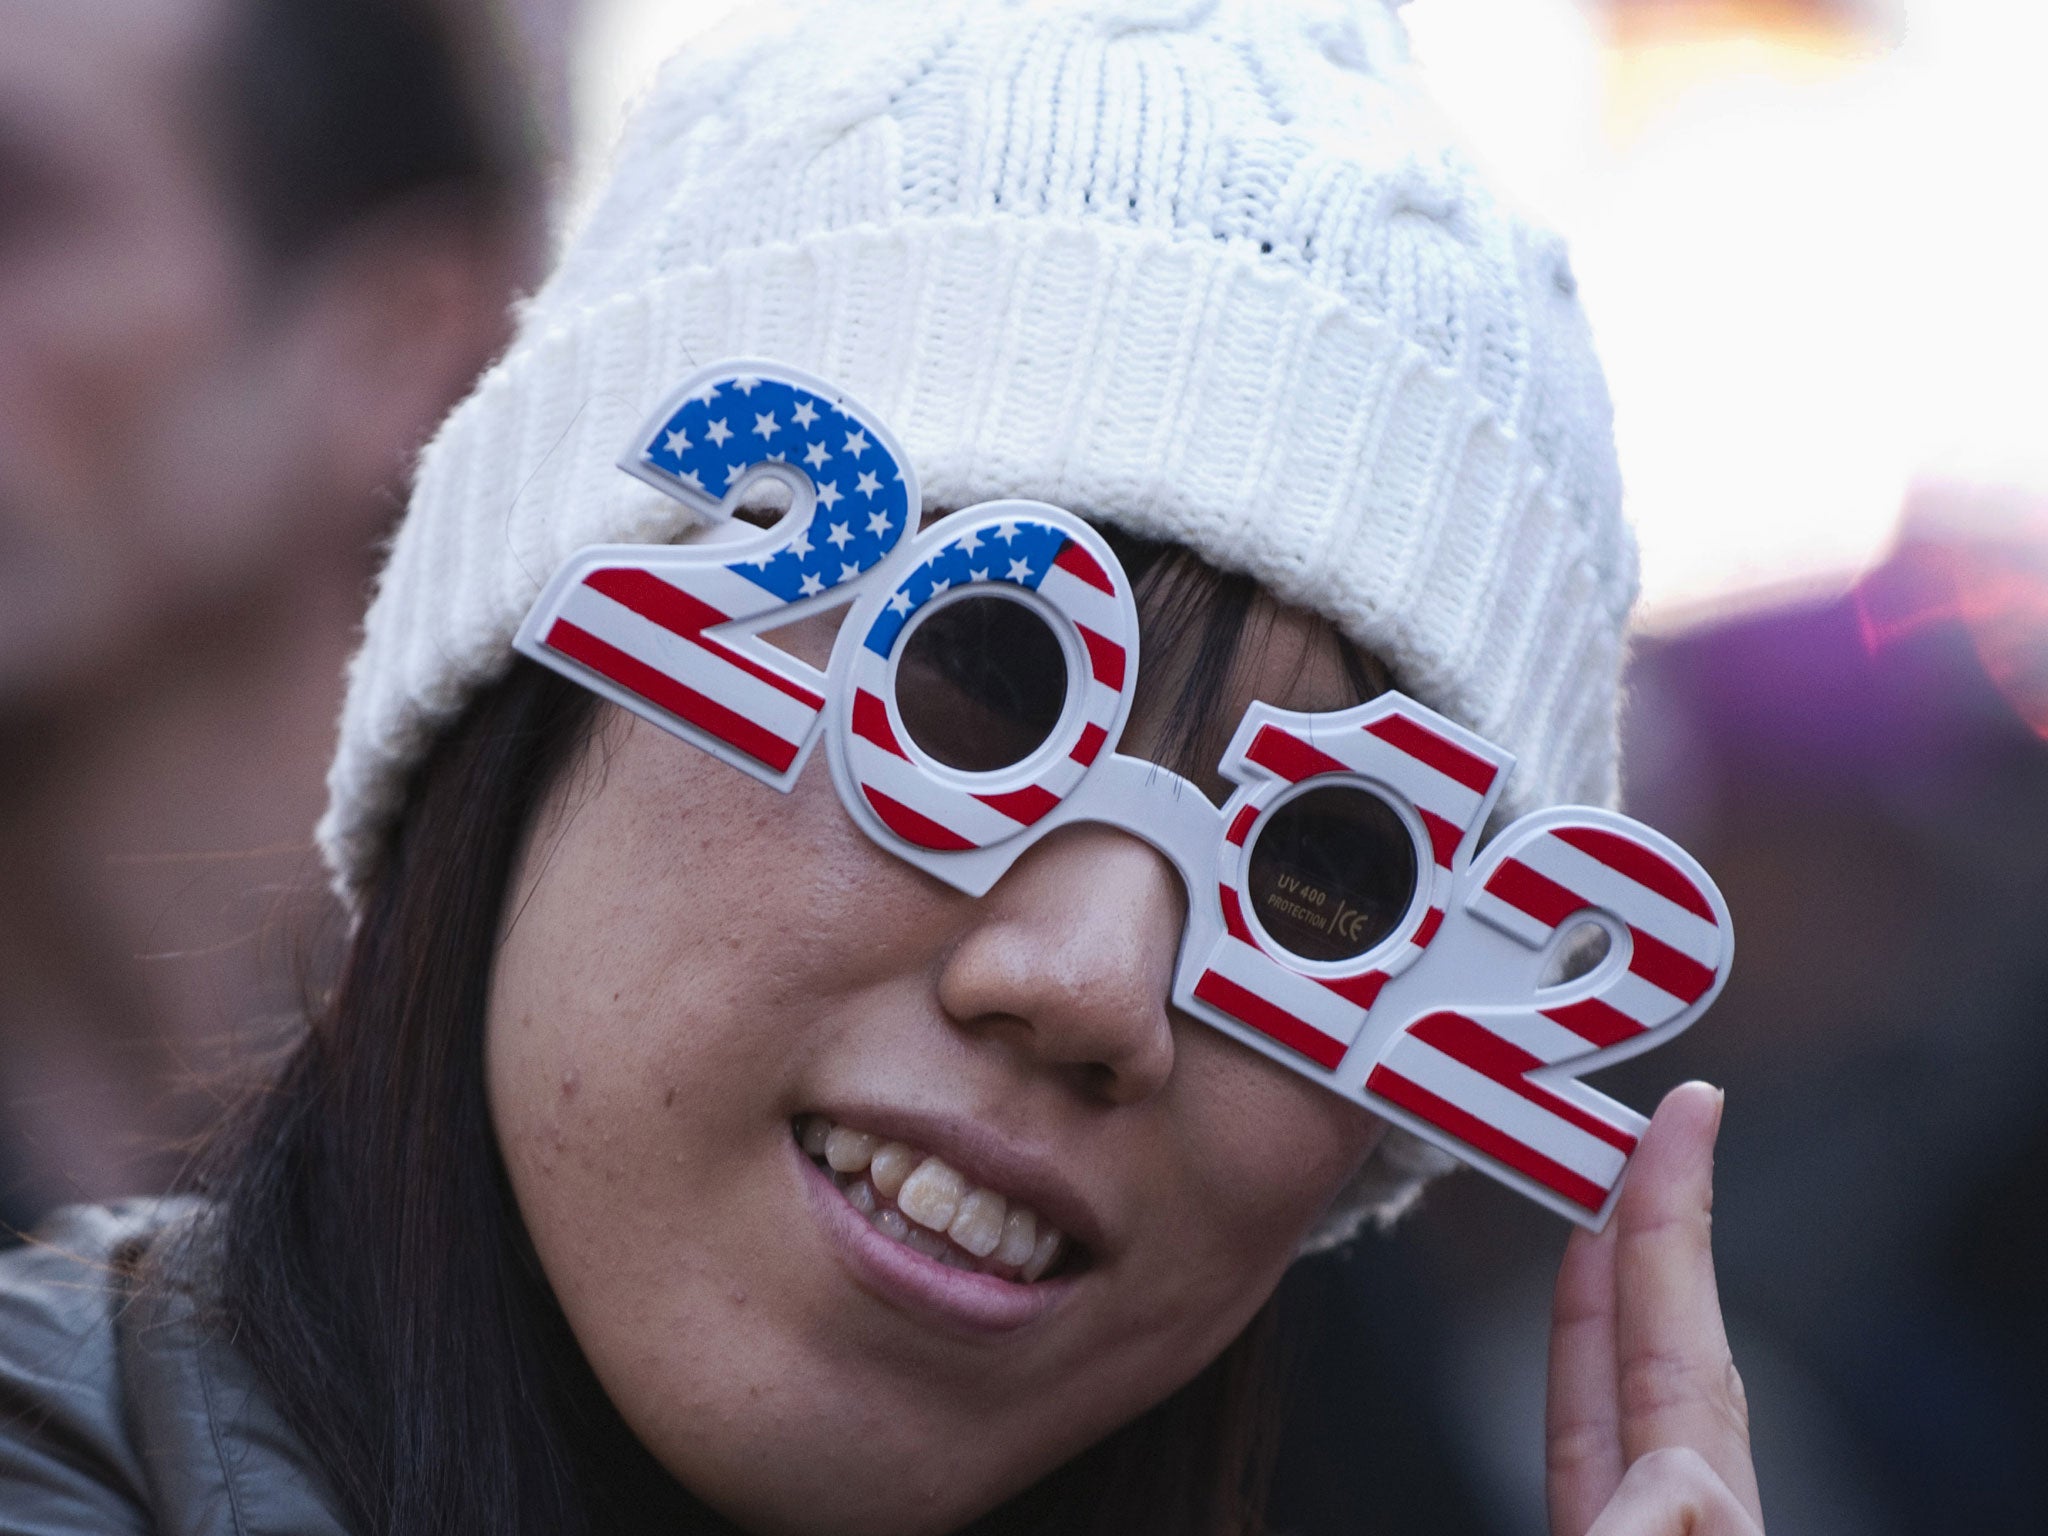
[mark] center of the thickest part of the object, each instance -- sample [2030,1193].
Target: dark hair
[325,111]
[373,1265]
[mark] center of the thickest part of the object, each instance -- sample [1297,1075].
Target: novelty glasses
[1342,918]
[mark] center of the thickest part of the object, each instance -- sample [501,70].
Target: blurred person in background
[250,252]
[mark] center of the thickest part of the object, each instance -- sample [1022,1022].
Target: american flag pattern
[1472,1074]
[1447,775]
[944,812]
[644,624]
[1490,1082]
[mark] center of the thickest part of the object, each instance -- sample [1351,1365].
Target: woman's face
[697,970]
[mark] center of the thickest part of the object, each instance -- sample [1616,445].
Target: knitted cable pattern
[1212,270]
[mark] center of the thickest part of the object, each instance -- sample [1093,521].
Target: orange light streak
[1995,589]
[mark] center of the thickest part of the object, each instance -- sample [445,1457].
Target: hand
[1648,1430]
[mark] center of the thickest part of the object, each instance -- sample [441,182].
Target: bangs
[1196,625]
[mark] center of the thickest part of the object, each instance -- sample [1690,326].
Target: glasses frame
[1448,1027]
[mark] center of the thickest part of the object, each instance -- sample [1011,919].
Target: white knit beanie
[1209,270]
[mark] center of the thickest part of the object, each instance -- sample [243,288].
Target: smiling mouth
[915,1198]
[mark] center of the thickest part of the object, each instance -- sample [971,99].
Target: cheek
[1260,1153]
[1240,1160]
[686,945]
[725,902]
[653,953]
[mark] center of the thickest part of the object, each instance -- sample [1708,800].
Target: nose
[1071,954]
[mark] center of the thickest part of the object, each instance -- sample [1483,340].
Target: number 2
[1496,1079]
[672,633]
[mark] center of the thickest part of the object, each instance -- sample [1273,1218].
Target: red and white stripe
[647,635]
[1317,1016]
[944,814]
[1444,774]
[1459,1074]
[1469,1073]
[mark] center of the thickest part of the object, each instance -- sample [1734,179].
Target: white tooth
[930,1244]
[849,1151]
[891,1165]
[931,1195]
[1044,1252]
[860,1194]
[978,1225]
[812,1134]
[1020,1236]
[890,1223]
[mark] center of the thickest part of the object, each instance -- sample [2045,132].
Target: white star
[900,603]
[746,386]
[840,536]
[800,546]
[732,473]
[849,572]
[941,585]
[867,485]
[703,392]
[1020,570]
[678,443]
[810,586]
[970,542]
[1007,532]
[718,432]
[977,573]
[806,413]
[878,524]
[766,425]
[689,478]
[856,443]
[816,455]
[828,493]
[762,562]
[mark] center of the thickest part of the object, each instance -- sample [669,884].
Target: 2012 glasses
[1342,917]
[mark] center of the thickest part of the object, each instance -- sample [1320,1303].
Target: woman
[573,1209]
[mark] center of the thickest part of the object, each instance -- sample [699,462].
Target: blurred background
[252,250]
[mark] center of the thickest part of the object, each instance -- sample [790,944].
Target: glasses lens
[1332,872]
[982,683]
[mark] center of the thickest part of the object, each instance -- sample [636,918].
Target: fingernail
[1720,1102]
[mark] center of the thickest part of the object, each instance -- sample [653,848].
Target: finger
[1581,1420]
[1677,1381]
[1673,1492]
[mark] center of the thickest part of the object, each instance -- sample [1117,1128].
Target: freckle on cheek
[571,1081]
[668,1099]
